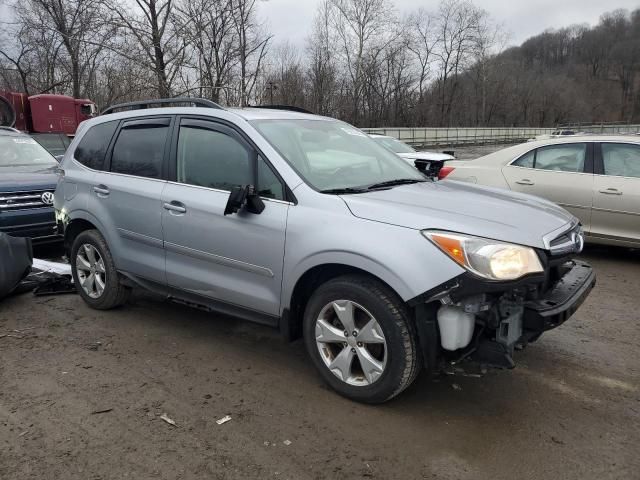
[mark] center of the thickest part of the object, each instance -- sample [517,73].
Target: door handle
[611,191]
[175,207]
[101,190]
[525,181]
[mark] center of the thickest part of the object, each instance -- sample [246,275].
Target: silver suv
[306,224]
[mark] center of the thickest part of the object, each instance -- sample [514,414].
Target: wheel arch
[299,292]
[76,223]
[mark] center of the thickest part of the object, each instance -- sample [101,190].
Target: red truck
[50,119]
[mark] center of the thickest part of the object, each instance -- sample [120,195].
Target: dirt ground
[570,410]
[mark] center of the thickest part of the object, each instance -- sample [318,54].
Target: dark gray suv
[28,178]
[305,223]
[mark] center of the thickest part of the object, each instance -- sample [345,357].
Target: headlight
[488,258]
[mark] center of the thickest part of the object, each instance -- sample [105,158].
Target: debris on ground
[51,267]
[55,285]
[168,420]
[104,410]
[16,333]
[455,386]
[223,420]
[287,442]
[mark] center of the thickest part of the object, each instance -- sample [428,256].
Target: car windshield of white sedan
[332,156]
[396,146]
[16,152]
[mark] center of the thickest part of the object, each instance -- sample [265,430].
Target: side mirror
[245,196]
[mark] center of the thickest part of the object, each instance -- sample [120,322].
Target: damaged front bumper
[486,322]
[561,302]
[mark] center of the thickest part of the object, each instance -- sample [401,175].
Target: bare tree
[252,45]
[457,29]
[150,24]
[209,28]
[322,72]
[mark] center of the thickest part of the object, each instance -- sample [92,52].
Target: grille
[570,241]
[22,200]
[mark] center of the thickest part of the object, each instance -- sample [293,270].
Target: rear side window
[139,149]
[92,149]
[213,159]
[562,158]
[526,160]
[621,160]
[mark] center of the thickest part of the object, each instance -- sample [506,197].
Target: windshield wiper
[393,183]
[341,191]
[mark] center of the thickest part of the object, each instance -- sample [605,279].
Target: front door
[616,193]
[560,173]
[235,259]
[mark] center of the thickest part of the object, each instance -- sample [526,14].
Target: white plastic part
[456,327]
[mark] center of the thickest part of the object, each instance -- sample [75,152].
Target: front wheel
[94,272]
[361,338]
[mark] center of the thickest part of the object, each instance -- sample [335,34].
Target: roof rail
[143,104]
[283,107]
[10,129]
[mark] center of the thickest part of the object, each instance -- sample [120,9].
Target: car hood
[463,208]
[430,156]
[25,179]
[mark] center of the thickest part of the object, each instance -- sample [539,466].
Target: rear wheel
[361,338]
[94,272]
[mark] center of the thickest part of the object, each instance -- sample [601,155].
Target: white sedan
[428,162]
[597,178]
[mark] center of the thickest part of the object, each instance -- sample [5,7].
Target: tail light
[444,171]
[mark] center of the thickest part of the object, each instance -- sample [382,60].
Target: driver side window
[212,159]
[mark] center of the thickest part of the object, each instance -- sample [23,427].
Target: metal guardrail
[479,136]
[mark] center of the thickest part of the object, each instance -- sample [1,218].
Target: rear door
[234,260]
[562,173]
[128,195]
[616,192]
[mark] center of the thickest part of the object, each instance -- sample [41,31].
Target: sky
[292,19]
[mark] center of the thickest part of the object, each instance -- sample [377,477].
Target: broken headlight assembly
[490,259]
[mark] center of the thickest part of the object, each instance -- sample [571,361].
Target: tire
[113,293]
[370,299]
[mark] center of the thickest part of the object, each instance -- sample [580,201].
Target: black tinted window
[269,185]
[139,150]
[621,160]
[212,159]
[93,147]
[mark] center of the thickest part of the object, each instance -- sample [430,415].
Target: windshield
[17,152]
[394,145]
[332,155]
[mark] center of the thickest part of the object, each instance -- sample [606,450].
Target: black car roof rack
[283,107]
[143,104]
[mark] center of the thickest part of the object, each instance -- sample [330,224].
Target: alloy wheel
[351,343]
[90,269]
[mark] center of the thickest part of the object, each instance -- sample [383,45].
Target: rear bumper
[561,302]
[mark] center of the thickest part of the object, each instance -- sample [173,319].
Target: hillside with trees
[364,61]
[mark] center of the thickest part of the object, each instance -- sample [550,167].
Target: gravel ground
[82,394]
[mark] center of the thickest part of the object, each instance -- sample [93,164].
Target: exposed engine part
[509,330]
[456,327]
